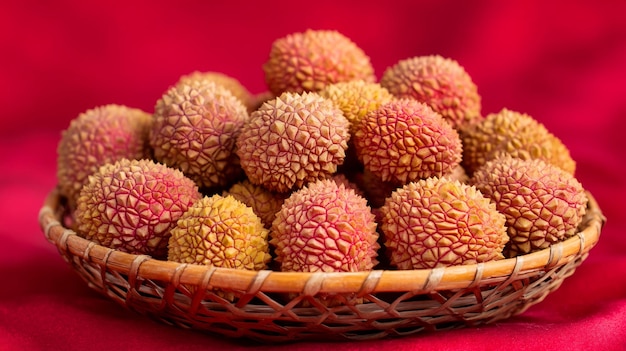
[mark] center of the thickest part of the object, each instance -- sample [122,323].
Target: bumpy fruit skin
[98,136]
[542,203]
[375,189]
[220,231]
[131,206]
[458,173]
[311,60]
[356,98]
[325,227]
[195,128]
[341,179]
[441,83]
[263,202]
[516,134]
[292,140]
[232,84]
[259,99]
[405,140]
[438,222]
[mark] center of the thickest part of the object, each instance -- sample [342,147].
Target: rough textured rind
[131,206]
[325,227]
[98,136]
[259,99]
[458,173]
[356,98]
[311,60]
[405,140]
[341,179]
[375,189]
[441,83]
[516,134]
[437,222]
[292,140]
[232,84]
[195,128]
[263,202]
[542,203]
[220,231]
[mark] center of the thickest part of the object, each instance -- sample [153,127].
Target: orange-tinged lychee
[195,128]
[542,203]
[341,179]
[516,134]
[356,98]
[131,206]
[220,231]
[232,84]
[313,59]
[263,202]
[292,140]
[376,190]
[98,136]
[442,83]
[438,222]
[405,140]
[458,173]
[325,227]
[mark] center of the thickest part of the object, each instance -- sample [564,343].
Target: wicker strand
[313,284]
[556,254]
[519,263]
[103,272]
[581,238]
[88,249]
[370,283]
[64,237]
[434,278]
[44,214]
[480,268]
[198,294]
[205,284]
[174,284]
[254,288]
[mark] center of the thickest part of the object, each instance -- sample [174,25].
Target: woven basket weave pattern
[282,306]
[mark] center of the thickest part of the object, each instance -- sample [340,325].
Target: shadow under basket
[287,306]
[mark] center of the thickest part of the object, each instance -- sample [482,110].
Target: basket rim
[69,243]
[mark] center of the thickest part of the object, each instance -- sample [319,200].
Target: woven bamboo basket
[285,306]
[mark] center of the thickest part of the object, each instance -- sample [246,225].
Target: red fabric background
[563,62]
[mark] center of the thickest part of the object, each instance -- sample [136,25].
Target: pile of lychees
[329,170]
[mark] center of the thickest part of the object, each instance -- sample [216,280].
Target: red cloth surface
[563,62]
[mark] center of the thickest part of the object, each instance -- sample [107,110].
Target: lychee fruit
[543,204]
[263,202]
[516,134]
[195,128]
[356,98]
[131,205]
[292,140]
[458,173]
[232,84]
[311,60]
[376,190]
[438,222]
[341,179]
[98,136]
[442,83]
[259,99]
[405,140]
[325,227]
[220,231]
